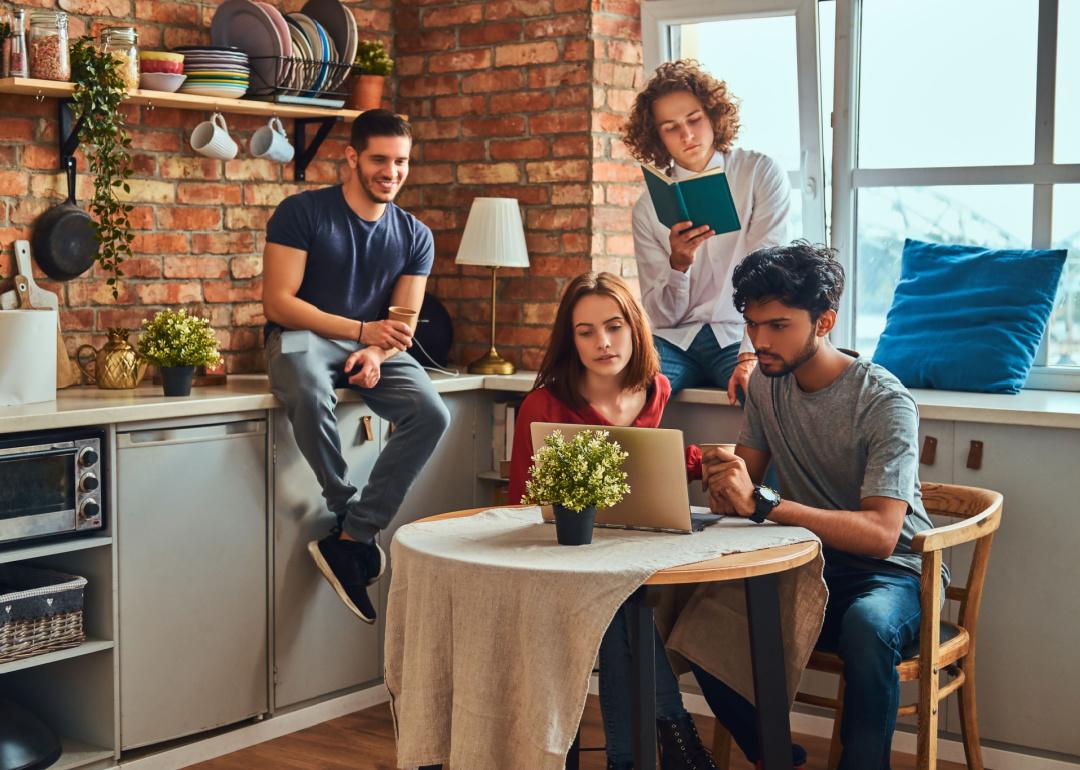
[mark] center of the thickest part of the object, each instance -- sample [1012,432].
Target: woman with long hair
[601,368]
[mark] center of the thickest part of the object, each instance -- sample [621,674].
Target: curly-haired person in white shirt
[684,122]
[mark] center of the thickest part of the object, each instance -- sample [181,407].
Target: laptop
[656,471]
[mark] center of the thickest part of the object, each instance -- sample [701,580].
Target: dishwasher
[191,537]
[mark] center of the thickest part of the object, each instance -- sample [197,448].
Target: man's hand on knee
[364,367]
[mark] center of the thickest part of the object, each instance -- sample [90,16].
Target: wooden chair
[943,646]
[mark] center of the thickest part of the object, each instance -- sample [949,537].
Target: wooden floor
[365,741]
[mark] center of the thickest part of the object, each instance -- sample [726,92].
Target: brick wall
[518,98]
[199,223]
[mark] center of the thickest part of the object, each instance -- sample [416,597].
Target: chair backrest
[979,514]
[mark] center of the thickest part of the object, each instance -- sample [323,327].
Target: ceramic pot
[367,92]
[574,527]
[176,380]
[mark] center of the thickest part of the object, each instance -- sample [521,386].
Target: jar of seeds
[122,43]
[48,46]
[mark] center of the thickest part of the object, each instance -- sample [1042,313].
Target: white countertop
[90,406]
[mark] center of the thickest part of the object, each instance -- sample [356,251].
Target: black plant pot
[177,380]
[574,527]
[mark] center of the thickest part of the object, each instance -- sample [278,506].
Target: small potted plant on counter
[176,343]
[577,477]
[372,65]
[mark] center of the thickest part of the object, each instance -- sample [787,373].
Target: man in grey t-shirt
[842,432]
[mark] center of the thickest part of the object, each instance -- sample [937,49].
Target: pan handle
[71,181]
[91,376]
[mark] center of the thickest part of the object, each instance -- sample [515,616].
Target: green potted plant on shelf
[372,65]
[176,343]
[577,477]
[99,91]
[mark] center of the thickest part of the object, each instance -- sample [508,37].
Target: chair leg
[928,726]
[721,746]
[969,722]
[834,744]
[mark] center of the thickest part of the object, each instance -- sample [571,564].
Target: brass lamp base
[491,363]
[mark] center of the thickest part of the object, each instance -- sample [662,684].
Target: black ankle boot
[680,745]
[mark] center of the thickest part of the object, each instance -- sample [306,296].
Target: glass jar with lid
[47,45]
[122,43]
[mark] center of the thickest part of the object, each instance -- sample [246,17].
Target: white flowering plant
[174,338]
[577,474]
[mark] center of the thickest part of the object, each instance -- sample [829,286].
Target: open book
[704,199]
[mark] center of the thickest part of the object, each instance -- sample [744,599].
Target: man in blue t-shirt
[335,260]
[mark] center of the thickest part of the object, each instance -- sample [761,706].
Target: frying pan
[64,241]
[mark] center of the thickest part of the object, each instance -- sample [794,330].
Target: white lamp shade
[493,235]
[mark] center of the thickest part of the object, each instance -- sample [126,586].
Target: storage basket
[40,611]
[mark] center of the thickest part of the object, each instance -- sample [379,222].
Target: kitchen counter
[88,405]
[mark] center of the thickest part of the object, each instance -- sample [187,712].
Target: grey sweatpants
[304,381]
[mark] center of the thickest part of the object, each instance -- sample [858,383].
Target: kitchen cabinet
[1029,670]
[320,647]
[191,536]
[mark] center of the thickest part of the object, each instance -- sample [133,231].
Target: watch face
[769,494]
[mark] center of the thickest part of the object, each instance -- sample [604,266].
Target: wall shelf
[88,647]
[53,547]
[303,115]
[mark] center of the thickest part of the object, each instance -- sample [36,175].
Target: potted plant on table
[176,343]
[373,65]
[577,477]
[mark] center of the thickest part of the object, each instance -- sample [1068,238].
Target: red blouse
[542,406]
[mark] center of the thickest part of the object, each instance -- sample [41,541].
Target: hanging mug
[271,143]
[211,138]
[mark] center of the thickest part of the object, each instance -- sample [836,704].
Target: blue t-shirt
[352,264]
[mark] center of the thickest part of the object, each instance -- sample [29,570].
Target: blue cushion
[968,318]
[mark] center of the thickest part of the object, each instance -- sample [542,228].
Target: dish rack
[298,80]
[40,611]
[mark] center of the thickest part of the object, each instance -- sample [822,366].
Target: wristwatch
[765,499]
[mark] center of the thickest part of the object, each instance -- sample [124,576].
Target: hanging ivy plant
[99,91]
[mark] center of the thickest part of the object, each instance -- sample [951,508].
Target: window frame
[847,178]
[659,19]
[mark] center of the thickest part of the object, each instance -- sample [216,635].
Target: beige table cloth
[492,628]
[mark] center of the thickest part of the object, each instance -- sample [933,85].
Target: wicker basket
[40,611]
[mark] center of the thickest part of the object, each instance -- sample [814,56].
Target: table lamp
[493,238]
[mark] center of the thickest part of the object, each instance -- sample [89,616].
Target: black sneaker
[350,567]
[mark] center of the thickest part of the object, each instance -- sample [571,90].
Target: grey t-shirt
[853,439]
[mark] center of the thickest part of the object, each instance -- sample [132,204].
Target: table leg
[573,757]
[643,650]
[767,662]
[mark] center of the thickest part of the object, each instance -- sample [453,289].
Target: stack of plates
[219,71]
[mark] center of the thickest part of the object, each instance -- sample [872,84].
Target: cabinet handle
[929,451]
[975,455]
[369,434]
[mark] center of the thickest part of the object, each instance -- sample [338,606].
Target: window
[950,137]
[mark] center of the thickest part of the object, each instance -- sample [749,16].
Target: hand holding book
[685,240]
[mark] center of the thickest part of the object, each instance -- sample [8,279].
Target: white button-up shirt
[679,304]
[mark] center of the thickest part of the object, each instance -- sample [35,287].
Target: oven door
[38,494]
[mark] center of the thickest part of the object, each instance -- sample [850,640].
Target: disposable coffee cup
[405,315]
[704,448]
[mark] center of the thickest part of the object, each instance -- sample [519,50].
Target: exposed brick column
[499,94]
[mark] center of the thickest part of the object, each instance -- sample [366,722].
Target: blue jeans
[703,363]
[304,380]
[616,695]
[869,619]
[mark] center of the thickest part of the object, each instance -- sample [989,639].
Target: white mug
[271,143]
[211,138]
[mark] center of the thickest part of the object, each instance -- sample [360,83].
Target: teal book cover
[704,199]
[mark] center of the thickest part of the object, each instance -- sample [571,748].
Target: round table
[759,569]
